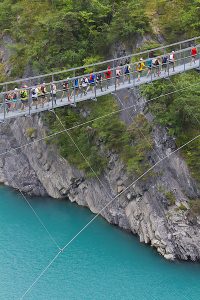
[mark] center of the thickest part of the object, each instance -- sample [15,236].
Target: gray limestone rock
[143,209]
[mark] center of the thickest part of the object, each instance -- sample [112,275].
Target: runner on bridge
[127,72]
[24,97]
[172,60]
[118,75]
[99,81]
[34,96]
[139,68]
[193,55]
[66,90]
[164,63]
[84,86]
[108,75]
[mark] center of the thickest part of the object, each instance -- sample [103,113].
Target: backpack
[23,94]
[92,78]
[42,89]
[127,70]
[164,59]
[76,82]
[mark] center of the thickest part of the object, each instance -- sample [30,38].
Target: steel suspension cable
[92,120]
[95,217]
[112,199]
[39,219]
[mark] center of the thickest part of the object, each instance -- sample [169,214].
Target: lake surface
[102,263]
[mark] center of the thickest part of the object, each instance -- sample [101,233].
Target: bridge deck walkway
[98,93]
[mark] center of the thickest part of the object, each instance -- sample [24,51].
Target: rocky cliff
[156,208]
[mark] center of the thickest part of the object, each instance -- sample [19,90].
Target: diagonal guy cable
[36,280]
[39,219]
[95,217]
[90,121]
[112,199]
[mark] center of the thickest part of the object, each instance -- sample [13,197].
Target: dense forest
[53,34]
[50,35]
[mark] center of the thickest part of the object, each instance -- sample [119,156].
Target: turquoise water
[102,263]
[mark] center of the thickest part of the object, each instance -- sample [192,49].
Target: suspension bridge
[183,63]
[12,108]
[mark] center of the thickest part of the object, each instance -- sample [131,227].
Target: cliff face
[143,209]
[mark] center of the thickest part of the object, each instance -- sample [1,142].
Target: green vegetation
[195,207]
[51,35]
[2,73]
[170,197]
[182,207]
[98,138]
[54,34]
[30,132]
[178,19]
[180,113]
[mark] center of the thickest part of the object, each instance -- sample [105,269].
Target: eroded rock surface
[38,169]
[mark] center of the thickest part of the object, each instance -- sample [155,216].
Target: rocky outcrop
[143,208]
[5,52]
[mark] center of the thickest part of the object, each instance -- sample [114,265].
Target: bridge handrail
[100,63]
[133,63]
[103,71]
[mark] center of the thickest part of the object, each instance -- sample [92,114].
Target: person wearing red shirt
[108,75]
[193,54]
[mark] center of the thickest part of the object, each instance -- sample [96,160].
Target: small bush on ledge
[195,207]
[30,132]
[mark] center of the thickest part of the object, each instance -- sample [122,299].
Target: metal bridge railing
[73,72]
[74,94]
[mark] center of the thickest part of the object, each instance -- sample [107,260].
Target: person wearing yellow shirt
[140,67]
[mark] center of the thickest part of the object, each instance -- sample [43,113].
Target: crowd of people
[39,95]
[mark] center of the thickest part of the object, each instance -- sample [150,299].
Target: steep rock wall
[38,169]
